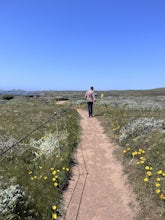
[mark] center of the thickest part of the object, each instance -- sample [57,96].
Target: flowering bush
[12,201]
[36,170]
[133,102]
[47,144]
[139,126]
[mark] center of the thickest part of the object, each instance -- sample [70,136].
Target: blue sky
[73,44]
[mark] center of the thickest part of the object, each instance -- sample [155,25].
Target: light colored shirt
[90,96]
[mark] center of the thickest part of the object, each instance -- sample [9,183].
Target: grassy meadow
[38,139]
[37,143]
[136,123]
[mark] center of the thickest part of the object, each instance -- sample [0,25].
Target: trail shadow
[97,115]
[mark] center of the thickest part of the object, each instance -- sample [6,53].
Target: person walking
[90,97]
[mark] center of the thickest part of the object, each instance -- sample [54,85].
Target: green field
[38,139]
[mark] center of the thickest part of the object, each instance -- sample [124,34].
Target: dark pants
[90,108]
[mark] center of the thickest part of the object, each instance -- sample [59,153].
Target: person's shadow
[98,114]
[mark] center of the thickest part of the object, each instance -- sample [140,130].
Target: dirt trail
[98,189]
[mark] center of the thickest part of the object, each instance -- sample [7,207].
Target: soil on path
[98,189]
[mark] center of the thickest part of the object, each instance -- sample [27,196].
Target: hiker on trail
[90,97]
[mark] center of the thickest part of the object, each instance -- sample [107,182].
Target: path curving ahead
[98,189]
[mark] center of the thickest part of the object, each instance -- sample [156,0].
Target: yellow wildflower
[146,179]
[134,153]
[30,172]
[55,184]
[159,172]
[158,179]
[54,172]
[162,196]
[157,191]
[52,168]
[143,158]
[157,184]
[124,151]
[45,177]
[147,167]
[149,173]
[67,169]
[54,216]
[54,207]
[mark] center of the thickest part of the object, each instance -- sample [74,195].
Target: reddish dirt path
[98,189]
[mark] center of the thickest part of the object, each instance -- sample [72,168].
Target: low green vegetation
[38,139]
[7,97]
[139,130]
[37,143]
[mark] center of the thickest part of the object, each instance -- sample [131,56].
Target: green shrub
[7,97]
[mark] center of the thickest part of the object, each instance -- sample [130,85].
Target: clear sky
[75,44]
